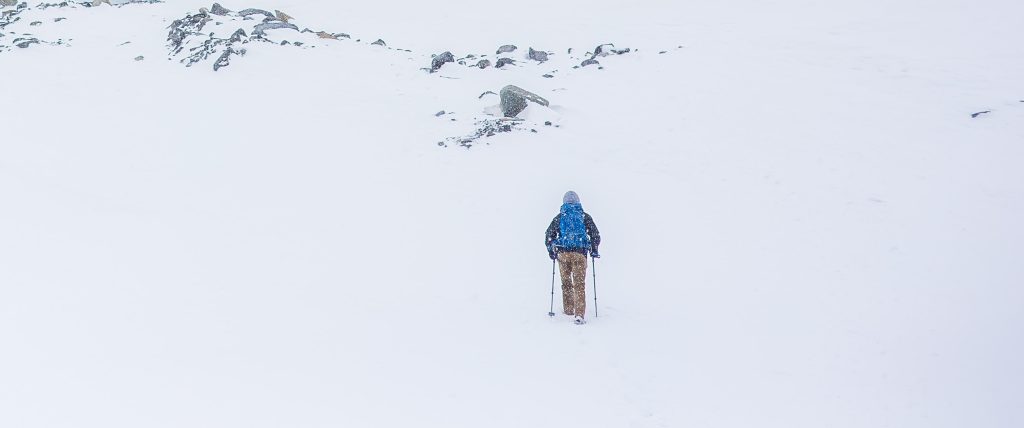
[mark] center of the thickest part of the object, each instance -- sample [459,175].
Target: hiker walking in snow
[570,237]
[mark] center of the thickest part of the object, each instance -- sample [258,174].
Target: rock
[259,29]
[298,43]
[505,48]
[439,60]
[225,59]
[439,114]
[514,100]
[600,51]
[99,2]
[662,52]
[589,62]
[24,43]
[140,58]
[974,115]
[217,9]
[548,76]
[504,61]
[379,42]
[5,3]
[282,16]
[238,35]
[326,35]
[538,55]
[36,23]
[58,19]
[251,11]
[547,123]
[204,11]
[484,63]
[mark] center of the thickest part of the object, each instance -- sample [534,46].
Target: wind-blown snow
[803,225]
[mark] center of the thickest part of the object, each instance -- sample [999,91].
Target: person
[571,235]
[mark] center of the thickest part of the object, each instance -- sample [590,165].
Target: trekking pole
[593,269]
[551,312]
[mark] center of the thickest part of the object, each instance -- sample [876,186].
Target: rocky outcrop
[217,9]
[260,29]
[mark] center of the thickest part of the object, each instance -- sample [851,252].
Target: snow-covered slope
[803,224]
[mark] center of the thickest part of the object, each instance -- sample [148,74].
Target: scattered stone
[217,9]
[485,128]
[485,93]
[140,58]
[282,16]
[440,60]
[379,42]
[548,76]
[36,23]
[514,100]
[439,114]
[298,43]
[484,63]
[505,48]
[662,52]
[974,115]
[538,55]
[589,62]
[284,42]
[504,61]
[547,123]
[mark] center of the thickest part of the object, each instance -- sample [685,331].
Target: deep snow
[803,225]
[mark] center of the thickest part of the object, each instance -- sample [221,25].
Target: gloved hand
[594,253]
[551,254]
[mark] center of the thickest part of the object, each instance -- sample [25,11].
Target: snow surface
[803,225]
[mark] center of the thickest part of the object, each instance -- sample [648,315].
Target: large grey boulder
[514,100]
[538,55]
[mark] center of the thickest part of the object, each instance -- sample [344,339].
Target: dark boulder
[514,100]
[440,60]
[505,48]
[504,61]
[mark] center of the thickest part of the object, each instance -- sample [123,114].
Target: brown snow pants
[573,267]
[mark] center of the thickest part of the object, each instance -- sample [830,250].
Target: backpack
[572,230]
